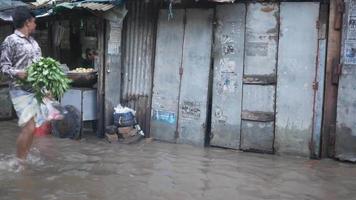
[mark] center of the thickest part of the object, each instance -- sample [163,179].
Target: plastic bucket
[124,119]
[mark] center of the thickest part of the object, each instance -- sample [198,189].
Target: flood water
[94,169]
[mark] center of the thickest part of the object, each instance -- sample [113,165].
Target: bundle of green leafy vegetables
[47,77]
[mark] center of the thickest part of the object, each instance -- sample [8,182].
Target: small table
[83,99]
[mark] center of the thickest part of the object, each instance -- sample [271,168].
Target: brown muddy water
[91,169]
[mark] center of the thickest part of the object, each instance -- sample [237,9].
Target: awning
[6,7]
[43,8]
[9,4]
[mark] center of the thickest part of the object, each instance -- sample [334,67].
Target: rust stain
[274,37]
[267,9]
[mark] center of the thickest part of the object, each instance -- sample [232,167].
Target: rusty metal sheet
[257,136]
[296,74]
[345,144]
[257,116]
[260,79]
[139,36]
[196,62]
[166,81]
[261,38]
[228,73]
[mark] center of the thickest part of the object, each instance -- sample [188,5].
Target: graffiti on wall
[164,116]
[191,110]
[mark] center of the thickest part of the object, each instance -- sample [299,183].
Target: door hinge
[315,85]
[181,71]
[317,24]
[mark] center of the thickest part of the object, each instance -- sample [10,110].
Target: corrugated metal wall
[138,55]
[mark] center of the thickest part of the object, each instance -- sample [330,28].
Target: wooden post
[333,59]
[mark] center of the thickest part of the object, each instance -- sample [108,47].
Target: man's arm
[5,59]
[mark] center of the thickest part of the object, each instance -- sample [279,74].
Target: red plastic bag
[43,130]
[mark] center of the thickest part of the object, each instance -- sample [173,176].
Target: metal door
[345,146]
[196,63]
[181,77]
[166,83]
[259,82]
[228,71]
[296,72]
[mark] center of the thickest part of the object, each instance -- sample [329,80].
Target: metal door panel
[261,38]
[319,99]
[166,75]
[257,129]
[89,104]
[196,67]
[228,72]
[298,46]
[257,136]
[258,98]
[258,106]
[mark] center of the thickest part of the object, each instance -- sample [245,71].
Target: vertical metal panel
[258,98]
[319,99]
[261,38]
[257,136]
[138,55]
[296,73]
[194,86]
[260,61]
[99,64]
[89,104]
[112,69]
[345,146]
[228,72]
[166,81]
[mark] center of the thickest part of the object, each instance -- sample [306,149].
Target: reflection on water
[93,169]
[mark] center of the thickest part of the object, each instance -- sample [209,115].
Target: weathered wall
[345,146]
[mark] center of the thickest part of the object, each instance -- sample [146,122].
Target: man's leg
[24,140]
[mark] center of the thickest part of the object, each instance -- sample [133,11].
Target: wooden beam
[330,98]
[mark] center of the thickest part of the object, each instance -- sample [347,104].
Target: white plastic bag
[120,109]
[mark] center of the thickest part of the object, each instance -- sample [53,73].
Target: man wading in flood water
[19,51]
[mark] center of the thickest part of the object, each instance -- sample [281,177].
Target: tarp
[9,4]
[47,9]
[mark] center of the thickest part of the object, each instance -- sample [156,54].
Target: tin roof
[10,4]
[45,8]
